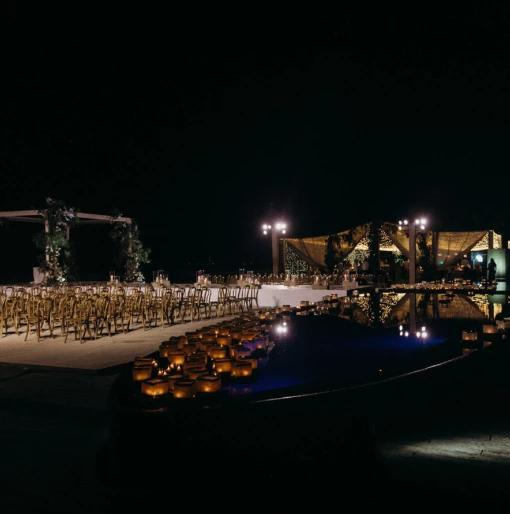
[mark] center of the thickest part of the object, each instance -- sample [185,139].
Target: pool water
[327,351]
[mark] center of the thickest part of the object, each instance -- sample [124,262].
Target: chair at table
[245,297]
[254,297]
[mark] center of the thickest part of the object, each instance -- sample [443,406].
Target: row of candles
[197,361]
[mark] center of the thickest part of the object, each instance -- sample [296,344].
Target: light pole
[275,229]
[420,223]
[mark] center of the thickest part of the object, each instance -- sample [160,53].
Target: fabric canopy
[449,246]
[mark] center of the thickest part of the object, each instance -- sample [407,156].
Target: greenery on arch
[132,253]
[56,259]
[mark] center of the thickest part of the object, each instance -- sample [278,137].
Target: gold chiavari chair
[174,306]
[63,311]
[254,297]
[82,318]
[8,314]
[220,306]
[245,297]
[37,313]
[204,303]
[235,300]
[102,304]
[117,318]
[191,304]
[135,305]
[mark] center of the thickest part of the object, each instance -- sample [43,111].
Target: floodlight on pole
[418,224]
[276,228]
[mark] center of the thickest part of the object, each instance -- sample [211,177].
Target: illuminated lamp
[236,334]
[208,337]
[261,343]
[251,334]
[304,304]
[286,308]
[253,361]
[176,357]
[469,336]
[223,365]
[163,350]
[194,340]
[187,365]
[239,351]
[199,357]
[262,315]
[486,343]
[173,342]
[171,380]
[144,361]
[224,340]
[195,371]
[252,345]
[208,384]
[241,368]
[490,329]
[155,387]
[217,351]
[223,331]
[204,347]
[184,388]
[142,372]
[189,348]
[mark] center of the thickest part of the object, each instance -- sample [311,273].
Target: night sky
[203,125]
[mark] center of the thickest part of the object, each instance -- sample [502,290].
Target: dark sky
[202,125]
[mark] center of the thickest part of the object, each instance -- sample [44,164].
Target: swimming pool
[317,352]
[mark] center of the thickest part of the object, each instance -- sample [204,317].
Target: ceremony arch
[36,216]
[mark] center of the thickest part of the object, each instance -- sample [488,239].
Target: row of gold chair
[89,312]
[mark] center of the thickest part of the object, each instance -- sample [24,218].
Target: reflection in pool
[360,341]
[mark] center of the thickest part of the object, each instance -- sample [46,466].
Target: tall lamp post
[278,227]
[411,227]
